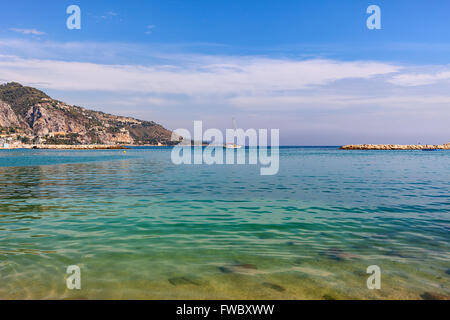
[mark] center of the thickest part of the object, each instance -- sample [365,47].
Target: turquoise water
[140,227]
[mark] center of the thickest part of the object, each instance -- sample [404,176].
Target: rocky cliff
[31,116]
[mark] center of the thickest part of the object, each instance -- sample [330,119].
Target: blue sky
[310,68]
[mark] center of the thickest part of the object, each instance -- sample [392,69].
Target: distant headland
[31,119]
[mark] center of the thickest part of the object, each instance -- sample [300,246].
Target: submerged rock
[183,281]
[225,269]
[360,273]
[398,254]
[236,268]
[433,296]
[447,271]
[328,297]
[338,254]
[274,286]
[265,236]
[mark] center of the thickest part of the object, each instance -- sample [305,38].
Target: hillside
[29,115]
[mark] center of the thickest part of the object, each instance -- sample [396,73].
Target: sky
[312,69]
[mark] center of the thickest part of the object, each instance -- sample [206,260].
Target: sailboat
[233,145]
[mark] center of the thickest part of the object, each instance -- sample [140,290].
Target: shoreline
[66,147]
[77,146]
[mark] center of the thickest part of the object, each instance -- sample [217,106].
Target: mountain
[30,116]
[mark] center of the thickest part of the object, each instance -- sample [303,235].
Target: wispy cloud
[28,31]
[339,101]
[420,79]
[149,29]
[107,16]
[205,77]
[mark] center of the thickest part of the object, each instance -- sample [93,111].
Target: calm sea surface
[140,227]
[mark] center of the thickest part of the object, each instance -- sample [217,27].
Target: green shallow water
[140,227]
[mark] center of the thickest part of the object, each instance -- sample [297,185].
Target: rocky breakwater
[396,147]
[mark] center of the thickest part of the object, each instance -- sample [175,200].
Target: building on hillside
[59,134]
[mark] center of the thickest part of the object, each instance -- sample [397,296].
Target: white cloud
[206,76]
[242,82]
[420,79]
[28,31]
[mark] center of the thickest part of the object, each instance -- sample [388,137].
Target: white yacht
[233,145]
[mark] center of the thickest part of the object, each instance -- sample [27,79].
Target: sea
[138,226]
